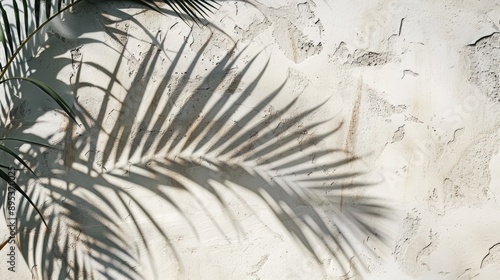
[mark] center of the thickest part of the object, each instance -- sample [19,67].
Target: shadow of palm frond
[153,148]
[25,17]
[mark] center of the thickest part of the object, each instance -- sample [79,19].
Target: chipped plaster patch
[484,56]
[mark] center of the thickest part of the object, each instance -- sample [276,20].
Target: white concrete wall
[412,86]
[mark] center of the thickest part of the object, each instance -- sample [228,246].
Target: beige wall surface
[341,139]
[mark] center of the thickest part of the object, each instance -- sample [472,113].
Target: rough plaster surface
[415,85]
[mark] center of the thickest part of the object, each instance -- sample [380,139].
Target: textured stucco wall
[414,84]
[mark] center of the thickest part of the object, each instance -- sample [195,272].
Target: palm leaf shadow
[194,143]
[19,19]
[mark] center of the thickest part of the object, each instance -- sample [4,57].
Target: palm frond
[26,141]
[168,145]
[15,46]
[50,92]
[13,184]
[187,10]
[19,25]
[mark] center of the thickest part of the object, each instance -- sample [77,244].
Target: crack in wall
[491,254]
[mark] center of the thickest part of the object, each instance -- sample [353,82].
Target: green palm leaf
[14,155]
[13,183]
[6,25]
[27,141]
[50,92]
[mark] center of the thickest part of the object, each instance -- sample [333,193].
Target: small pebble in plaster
[398,134]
